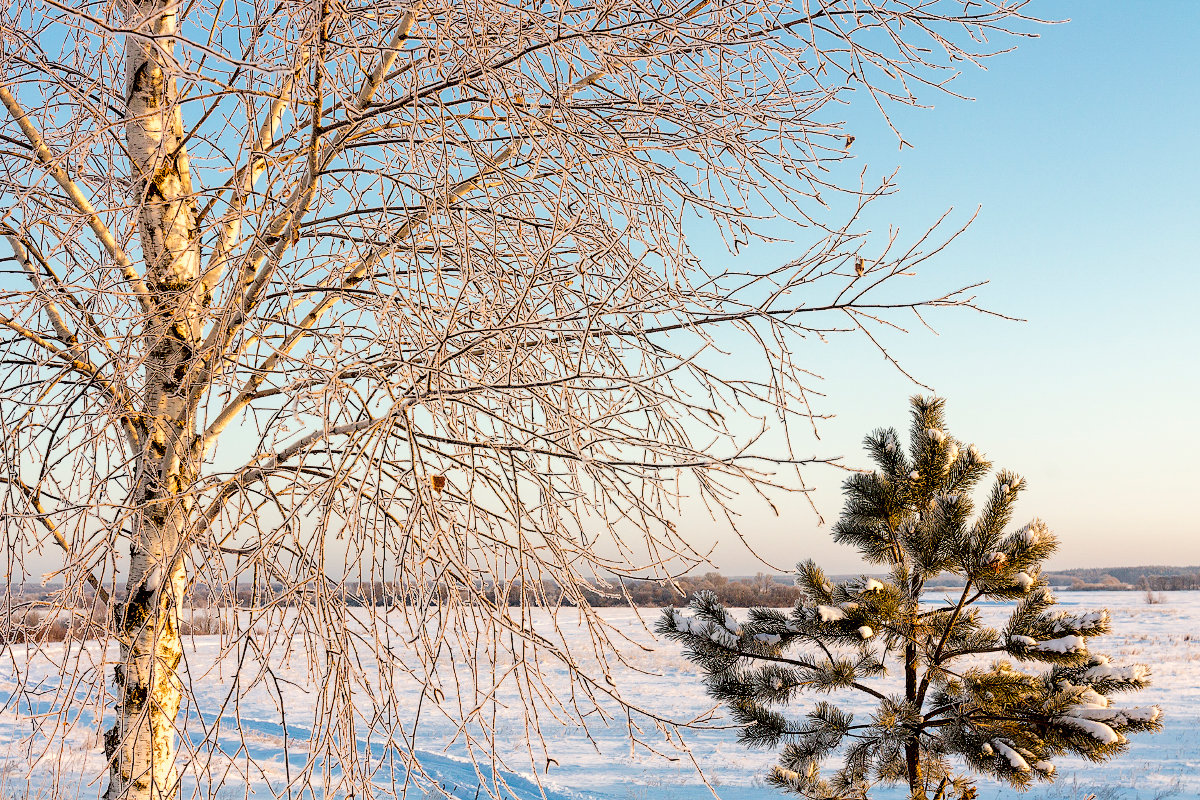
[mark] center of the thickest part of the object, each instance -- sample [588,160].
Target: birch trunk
[141,745]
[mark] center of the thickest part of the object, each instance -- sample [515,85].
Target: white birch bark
[141,745]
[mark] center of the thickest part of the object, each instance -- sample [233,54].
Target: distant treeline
[775,591]
[1154,578]
[1171,583]
[60,625]
[1130,575]
[761,590]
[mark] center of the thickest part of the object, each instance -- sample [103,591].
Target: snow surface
[1166,765]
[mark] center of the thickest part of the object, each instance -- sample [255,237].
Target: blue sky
[1081,149]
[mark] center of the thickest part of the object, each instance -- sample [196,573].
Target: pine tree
[960,711]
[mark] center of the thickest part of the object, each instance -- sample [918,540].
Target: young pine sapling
[952,697]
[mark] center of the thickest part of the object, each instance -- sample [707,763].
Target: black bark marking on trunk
[139,610]
[134,698]
[157,514]
[112,740]
[147,79]
[167,285]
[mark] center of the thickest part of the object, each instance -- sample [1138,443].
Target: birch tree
[309,296]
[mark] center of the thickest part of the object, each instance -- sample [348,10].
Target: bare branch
[81,203]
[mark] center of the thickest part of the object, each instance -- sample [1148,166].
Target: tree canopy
[305,295]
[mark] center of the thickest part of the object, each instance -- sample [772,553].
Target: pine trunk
[141,745]
[912,748]
[912,751]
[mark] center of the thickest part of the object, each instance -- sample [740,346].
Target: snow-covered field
[1166,637]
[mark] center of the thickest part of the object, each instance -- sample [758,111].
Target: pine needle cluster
[953,698]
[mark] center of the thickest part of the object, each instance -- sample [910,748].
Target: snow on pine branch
[1103,670]
[726,635]
[1063,644]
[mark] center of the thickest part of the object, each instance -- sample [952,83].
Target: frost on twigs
[380,319]
[962,711]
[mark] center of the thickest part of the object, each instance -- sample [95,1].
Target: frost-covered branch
[331,295]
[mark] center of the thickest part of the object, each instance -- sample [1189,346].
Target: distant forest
[760,590]
[1155,578]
